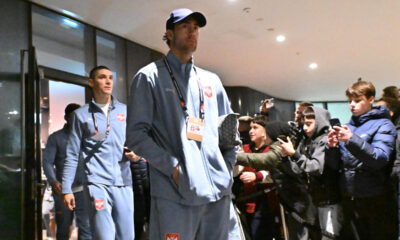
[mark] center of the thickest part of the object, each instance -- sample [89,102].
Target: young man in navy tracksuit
[173,113]
[365,146]
[53,164]
[97,142]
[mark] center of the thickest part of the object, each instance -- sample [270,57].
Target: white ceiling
[348,39]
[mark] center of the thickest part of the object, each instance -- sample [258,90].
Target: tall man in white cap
[172,121]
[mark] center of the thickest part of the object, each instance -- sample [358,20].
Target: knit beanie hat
[277,128]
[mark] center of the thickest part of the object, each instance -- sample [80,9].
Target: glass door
[32,186]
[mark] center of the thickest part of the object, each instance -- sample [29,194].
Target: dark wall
[246,101]
[138,57]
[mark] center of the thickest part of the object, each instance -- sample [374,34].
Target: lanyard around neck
[180,95]
[96,127]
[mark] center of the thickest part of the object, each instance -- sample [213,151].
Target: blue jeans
[64,218]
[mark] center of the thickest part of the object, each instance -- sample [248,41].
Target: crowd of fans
[311,178]
[334,181]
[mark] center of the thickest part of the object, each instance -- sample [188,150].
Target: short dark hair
[306,104]
[393,105]
[308,113]
[391,92]
[93,72]
[165,39]
[361,88]
[260,119]
[71,107]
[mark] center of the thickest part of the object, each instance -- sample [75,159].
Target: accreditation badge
[195,128]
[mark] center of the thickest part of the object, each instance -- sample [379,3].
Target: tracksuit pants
[173,221]
[110,211]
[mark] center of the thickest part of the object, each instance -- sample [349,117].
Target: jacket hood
[322,117]
[375,113]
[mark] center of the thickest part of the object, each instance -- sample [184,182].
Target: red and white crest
[120,117]
[99,204]
[208,91]
[172,236]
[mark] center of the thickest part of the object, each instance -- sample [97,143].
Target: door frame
[31,178]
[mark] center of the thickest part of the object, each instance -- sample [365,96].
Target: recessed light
[313,65]
[66,12]
[69,23]
[280,38]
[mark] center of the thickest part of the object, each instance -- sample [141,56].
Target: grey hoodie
[322,179]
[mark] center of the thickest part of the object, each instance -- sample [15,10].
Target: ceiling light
[15,112]
[313,65]
[71,14]
[280,38]
[69,23]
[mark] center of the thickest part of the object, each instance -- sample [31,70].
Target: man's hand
[343,133]
[332,138]
[57,188]
[248,177]
[69,201]
[175,175]
[131,155]
[287,147]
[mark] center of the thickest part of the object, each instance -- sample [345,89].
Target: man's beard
[184,47]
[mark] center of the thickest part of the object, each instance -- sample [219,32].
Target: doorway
[55,95]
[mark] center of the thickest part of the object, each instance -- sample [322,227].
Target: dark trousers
[141,214]
[64,218]
[397,194]
[264,223]
[370,218]
[301,231]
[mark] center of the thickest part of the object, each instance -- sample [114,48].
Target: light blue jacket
[103,162]
[54,156]
[156,130]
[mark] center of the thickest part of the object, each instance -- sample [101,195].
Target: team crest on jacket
[208,91]
[99,204]
[120,117]
[172,236]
